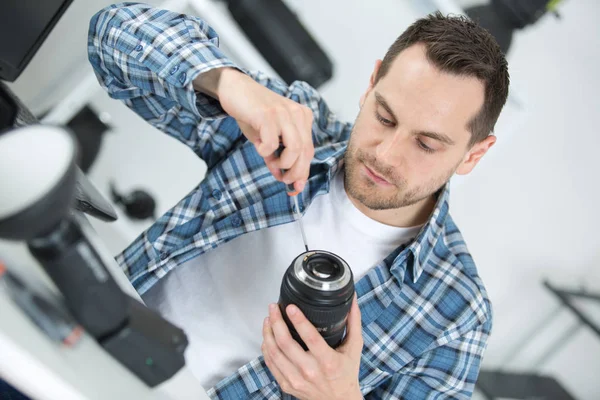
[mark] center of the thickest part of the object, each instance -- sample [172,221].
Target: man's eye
[424,147]
[384,121]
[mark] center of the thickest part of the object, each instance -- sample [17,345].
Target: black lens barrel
[325,301]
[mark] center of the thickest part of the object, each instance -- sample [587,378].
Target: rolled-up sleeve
[148,58]
[138,50]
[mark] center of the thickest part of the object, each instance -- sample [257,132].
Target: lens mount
[322,270]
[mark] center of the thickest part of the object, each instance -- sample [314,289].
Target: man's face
[411,133]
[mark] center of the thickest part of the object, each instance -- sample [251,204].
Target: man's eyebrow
[433,135]
[436,136]
[381,101]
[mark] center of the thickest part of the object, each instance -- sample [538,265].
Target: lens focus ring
[322,317]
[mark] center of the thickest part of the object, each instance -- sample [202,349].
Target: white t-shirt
[221,297]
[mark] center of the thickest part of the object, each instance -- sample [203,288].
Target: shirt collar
[425,241]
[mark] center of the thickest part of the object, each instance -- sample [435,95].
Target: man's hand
[266,119]
[321,372]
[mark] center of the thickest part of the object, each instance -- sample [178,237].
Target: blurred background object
[88,128]
[503,17]
[282,40]
[27,23]
[138,204]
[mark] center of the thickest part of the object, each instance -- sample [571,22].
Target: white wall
[531,213]
[527,212]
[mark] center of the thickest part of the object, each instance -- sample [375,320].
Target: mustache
[384,171]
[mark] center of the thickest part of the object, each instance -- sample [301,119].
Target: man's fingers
[292,142]
[298,173]
[308,333]
[268,338]
[287,159]
[286,369]
[354,338]
[286,342]
[300,170]
[269,138]
[291,126]
[302,166]
[274,370]
[270,162]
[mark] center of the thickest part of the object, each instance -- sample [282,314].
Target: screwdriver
[289,188]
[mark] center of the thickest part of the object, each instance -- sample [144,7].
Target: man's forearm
[212,82]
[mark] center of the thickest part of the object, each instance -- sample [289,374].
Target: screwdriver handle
[289,188]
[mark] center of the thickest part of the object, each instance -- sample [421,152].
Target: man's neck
[404,217]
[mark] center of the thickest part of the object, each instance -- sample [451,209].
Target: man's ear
[371,83]
[474,155]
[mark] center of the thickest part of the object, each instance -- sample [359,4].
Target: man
[374,192]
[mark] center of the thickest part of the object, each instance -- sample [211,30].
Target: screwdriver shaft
[293,193]
[299,218]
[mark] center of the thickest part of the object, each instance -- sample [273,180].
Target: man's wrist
[212,82]
[356,394]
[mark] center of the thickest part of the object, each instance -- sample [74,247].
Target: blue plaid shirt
[426,316]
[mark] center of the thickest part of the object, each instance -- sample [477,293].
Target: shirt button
[139,47]
[163,256]
[216,194]
[236,221]
[182,77]
[174,69]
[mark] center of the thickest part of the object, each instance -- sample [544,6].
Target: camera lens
[322,267]
[321,284]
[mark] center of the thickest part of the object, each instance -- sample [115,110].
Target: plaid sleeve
[448,371]
[147,58]
[138,50]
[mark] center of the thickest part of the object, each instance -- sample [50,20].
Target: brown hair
[459,46]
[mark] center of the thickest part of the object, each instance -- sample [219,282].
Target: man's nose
[388,151]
